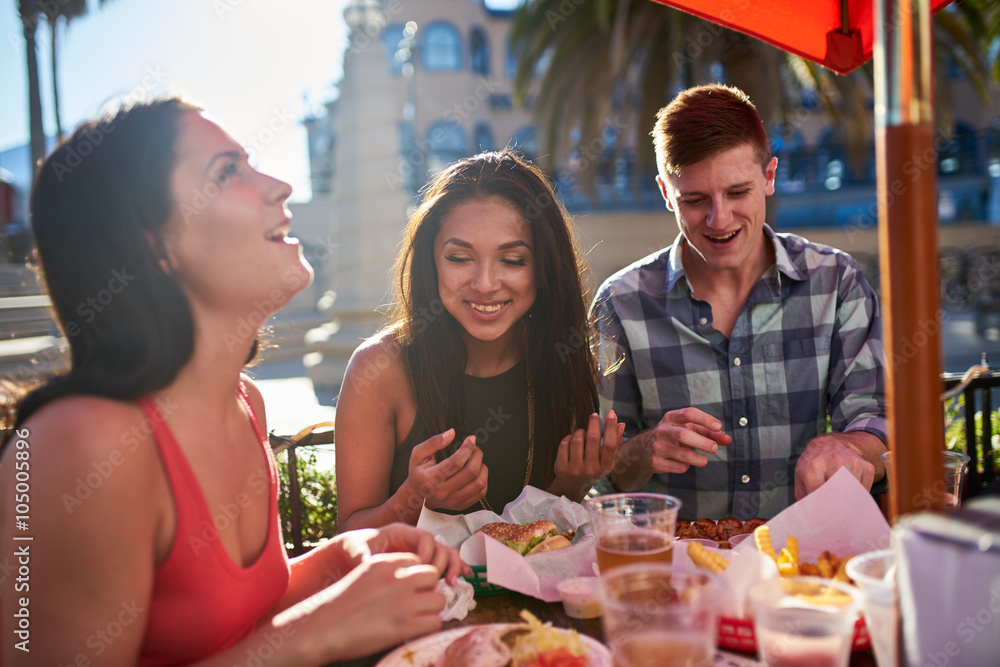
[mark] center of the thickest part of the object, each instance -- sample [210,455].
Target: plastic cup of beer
[955,465]
[657,616]
[632,528]
[804,621]
[875,574]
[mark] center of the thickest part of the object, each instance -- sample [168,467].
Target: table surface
[506,608]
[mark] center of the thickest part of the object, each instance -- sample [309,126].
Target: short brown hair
[703,121]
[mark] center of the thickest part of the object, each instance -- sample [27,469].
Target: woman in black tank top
[485,381]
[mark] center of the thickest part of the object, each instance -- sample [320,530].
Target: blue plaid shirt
[807,344]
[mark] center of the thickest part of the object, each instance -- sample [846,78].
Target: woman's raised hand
[585,456]
[453,484]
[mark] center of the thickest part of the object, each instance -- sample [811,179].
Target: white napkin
[460,599]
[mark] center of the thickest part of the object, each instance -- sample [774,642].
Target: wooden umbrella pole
[908,253]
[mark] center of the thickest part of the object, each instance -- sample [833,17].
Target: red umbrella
[837,34]
[842,34]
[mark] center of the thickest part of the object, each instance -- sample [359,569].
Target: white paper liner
[841,516]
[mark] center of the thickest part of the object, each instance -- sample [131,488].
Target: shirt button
[703,321]
[736,361]
[743,421]
[745,479]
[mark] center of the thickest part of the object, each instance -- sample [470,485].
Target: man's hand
[676,443]
[824,455]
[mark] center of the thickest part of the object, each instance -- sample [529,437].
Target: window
[391,36]
[483,138]
[442,47]
[445,144]
[479,52]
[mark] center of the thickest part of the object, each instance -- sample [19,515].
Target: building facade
[429,81]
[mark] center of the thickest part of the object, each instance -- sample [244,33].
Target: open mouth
[487,309]
[281,235]
[723,238]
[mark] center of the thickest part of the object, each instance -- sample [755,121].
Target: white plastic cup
[804,621]
[874,573]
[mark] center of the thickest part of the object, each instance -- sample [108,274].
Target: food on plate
[528,644]
[719,531]
[828,565]
[762,535]
[528,539]
[684,530]
[788,559]
[729,526]
[709,560]
[706,528]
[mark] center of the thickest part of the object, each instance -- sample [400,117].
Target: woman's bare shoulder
[88,428]
[378,362]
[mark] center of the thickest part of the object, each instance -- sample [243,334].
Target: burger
[528,539]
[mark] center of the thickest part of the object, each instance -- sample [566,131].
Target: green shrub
[954,435]
[318,498]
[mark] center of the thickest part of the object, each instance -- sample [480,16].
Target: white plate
[428,651]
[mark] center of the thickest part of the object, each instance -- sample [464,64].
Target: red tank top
[203,602]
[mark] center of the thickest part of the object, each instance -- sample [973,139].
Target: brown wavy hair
[556,332]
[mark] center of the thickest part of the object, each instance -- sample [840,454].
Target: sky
[257,66]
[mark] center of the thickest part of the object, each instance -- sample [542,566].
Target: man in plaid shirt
[725,353]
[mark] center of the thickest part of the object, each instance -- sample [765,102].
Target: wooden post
[906,157]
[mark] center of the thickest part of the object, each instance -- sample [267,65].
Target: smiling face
[720,207]
[227,240]
[485,266]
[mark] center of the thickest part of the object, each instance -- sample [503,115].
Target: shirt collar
[675,263]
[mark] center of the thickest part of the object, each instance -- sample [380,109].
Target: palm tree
[29,11]
[66,10]
[624,59]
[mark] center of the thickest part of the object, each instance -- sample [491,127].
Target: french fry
[841,574]
[792,545]
[706,559]
[787,564]
[824,565]
[762,536]
[808,569]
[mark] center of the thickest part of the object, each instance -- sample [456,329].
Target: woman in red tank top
[153,525]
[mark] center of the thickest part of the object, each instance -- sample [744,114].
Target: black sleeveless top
[496,412]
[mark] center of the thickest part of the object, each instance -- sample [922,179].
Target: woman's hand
[584,456]
[453,484]
[385,600]
[361,545]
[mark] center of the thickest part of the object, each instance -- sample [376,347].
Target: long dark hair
[556,330]
[99,206]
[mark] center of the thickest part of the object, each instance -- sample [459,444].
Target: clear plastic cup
[801,621]
[875,574]
[658,616]
[955,465]
[632,528]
